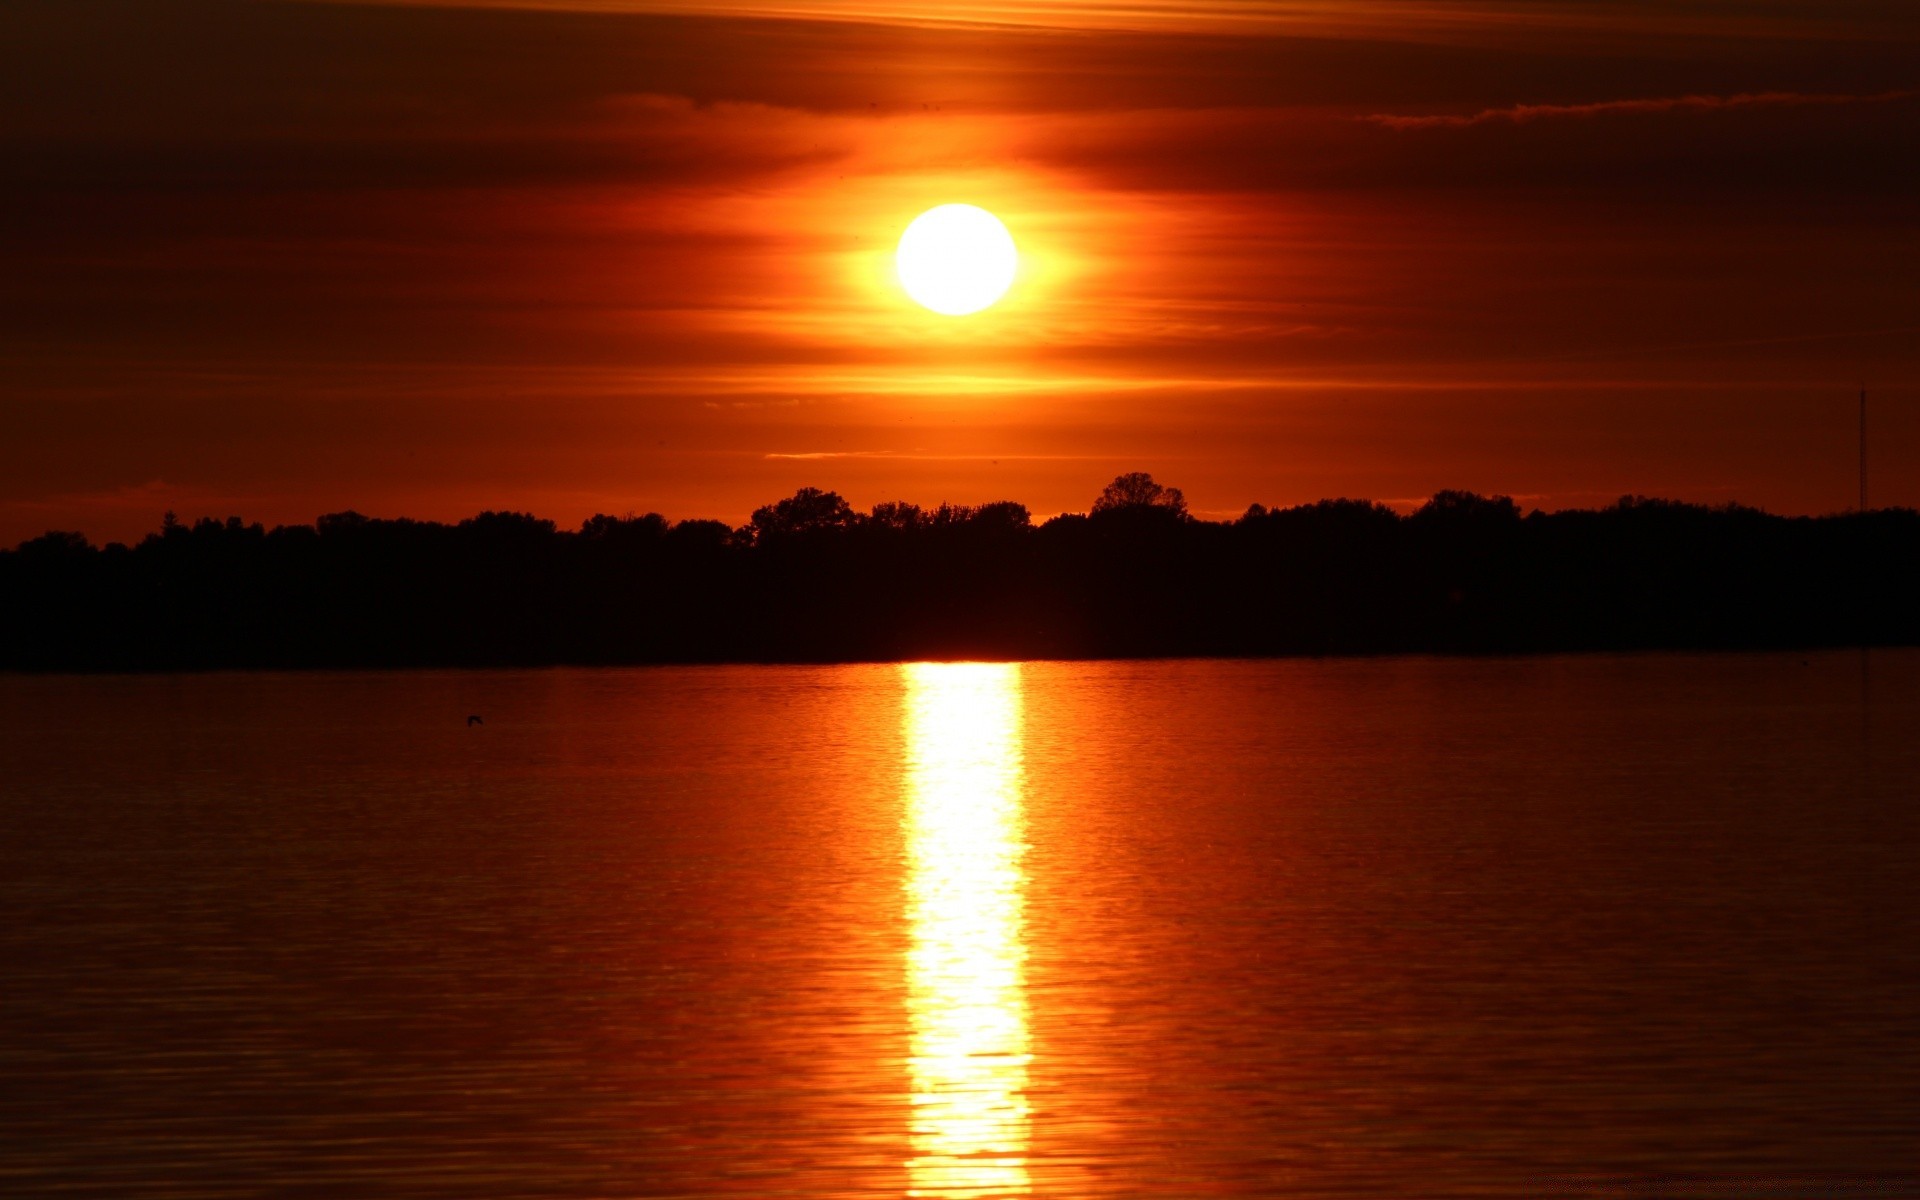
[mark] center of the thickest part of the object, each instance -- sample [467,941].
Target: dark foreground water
[1577,926]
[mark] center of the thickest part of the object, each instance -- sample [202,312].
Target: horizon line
[1400,507]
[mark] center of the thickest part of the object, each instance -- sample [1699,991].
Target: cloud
[1520,114]
[1401,20]
[916,456]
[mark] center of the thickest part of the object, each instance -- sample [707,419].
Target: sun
[956,259]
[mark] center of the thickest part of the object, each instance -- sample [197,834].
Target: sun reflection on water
[966,835]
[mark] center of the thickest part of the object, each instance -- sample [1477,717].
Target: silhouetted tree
[897,514]
[1003,514]
[1463,508]
[55,545]
[628,529]
[710,535]
[339,523]
[1136,490]
[809,579]
[508,525]
[806,511]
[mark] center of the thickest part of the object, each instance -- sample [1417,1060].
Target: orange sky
[278,259]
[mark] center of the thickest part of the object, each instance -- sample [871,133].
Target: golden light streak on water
[966,835]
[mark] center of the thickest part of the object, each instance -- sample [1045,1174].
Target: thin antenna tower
[1863,449]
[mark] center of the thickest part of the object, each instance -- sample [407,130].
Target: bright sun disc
[956,259]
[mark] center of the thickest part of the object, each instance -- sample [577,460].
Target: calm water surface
[1640,925]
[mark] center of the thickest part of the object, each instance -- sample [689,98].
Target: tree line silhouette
[809,578]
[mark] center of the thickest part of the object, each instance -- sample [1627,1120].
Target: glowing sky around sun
[283,259]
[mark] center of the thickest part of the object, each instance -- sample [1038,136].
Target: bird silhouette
[472,721]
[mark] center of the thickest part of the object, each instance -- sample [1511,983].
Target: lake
[1608,925]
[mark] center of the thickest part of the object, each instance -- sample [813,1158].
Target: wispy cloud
[916,456]
[1520,114]
[153,496]
[1397,19]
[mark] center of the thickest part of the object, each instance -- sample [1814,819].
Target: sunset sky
[279,259]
